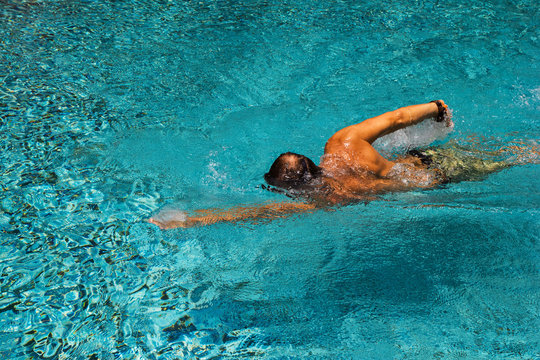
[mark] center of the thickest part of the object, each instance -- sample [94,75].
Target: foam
[419,135]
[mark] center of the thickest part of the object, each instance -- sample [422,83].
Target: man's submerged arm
[170,219]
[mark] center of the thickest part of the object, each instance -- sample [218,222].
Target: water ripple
[110,110]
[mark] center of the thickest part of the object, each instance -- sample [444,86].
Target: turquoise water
[110,111]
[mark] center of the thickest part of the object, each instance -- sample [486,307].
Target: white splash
[419,135]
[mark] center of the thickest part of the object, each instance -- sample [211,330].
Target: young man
[350,170]
[351,167]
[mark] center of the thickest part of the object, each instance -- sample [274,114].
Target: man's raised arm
[373,128]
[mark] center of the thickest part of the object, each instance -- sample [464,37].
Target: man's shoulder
[344,141]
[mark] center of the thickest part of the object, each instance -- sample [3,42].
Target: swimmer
[351,170]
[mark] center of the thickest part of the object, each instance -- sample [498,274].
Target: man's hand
[445,114]
[170,219]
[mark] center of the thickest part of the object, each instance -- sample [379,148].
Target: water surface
[112,110]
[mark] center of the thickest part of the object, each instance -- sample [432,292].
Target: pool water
[110,111]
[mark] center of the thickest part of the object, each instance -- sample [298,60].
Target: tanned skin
[357,172]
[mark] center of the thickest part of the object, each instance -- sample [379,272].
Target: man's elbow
[400,118]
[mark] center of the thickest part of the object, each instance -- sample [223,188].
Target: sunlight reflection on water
[110,111]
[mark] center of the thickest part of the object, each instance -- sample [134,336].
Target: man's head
[292,171]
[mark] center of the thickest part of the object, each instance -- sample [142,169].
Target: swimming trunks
[459,164]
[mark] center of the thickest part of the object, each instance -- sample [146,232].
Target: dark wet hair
[292,171]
